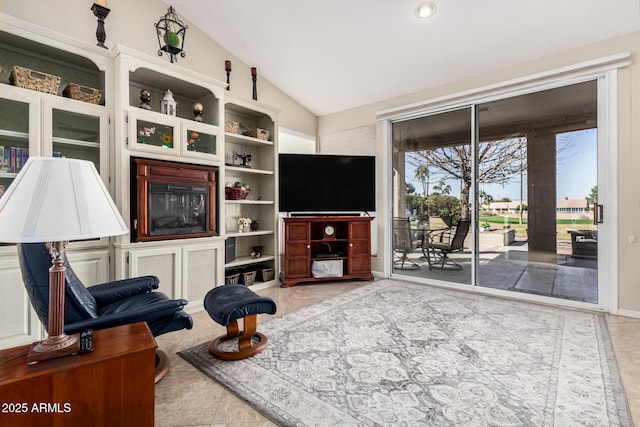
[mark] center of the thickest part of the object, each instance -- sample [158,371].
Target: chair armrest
[111,292]
[438,236]
[146,313]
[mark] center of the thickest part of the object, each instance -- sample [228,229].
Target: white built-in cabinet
[109,135]
[33,123]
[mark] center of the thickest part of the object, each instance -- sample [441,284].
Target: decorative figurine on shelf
[197,111]
[243,224]
[168,105]
[256,251]
[245,157]
[145,99]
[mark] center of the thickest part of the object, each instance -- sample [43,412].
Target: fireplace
[172,200]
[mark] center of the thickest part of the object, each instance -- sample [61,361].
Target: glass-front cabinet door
[76,130]
[200,140]
[155,132]
[18,136]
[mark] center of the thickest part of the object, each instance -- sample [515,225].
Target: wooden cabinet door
[359,247]
[297,250]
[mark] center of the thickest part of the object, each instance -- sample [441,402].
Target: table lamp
[55,200]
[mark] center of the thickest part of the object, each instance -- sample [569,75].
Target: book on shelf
[12,159]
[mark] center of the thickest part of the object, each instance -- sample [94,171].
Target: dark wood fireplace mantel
[172,200]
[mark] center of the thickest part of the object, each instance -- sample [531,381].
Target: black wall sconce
[171,31]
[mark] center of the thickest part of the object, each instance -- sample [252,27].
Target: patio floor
[508,267]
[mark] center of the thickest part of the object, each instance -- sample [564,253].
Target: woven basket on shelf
[82,93]
[249,277]
[231,127]
[235,193]
[232,279]
[258,133]
[266,274]
[34,80]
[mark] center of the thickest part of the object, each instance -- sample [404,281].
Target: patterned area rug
[394,353]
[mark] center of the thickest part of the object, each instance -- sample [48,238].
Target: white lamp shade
[58,199]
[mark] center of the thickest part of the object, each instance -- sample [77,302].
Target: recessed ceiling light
[426,9]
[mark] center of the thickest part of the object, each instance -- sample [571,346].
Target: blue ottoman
[228,303]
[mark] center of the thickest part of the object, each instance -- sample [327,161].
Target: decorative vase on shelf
[254,225]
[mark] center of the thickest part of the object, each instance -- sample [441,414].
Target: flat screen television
[318,183]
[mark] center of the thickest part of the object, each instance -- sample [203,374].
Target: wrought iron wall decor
[171,33]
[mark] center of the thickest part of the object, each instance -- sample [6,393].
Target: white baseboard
[629,313]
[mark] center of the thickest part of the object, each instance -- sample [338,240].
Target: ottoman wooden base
[246,345]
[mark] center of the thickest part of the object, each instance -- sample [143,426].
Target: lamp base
[53,347]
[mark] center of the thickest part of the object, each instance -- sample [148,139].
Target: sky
[576,170]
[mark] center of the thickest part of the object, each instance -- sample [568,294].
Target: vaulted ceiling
[333,55]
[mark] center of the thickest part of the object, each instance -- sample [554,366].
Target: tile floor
[185,397]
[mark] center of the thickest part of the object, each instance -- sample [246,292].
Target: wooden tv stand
[307,239]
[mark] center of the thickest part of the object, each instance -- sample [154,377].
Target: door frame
[604,71]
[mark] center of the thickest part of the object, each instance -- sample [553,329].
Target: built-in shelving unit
[113,133]
[190,266]
[260,176]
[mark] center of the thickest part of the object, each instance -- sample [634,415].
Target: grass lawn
[562,226]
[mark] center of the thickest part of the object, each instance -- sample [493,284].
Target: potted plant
[254,224]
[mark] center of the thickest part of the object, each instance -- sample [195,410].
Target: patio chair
[403,244]
[444,242]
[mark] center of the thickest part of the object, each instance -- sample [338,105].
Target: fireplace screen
[172,200]
[177,209]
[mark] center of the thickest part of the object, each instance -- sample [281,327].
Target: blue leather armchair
[101,306]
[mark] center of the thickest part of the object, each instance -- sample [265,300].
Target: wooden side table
[112,386]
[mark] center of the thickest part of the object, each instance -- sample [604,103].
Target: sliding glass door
[502,194]
[432,179]
[537,232]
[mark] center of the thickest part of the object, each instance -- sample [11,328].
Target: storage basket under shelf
[235,193]
[232,279]
[266,274]
[82,93]
[248,277]
[258,133]
[34,80]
